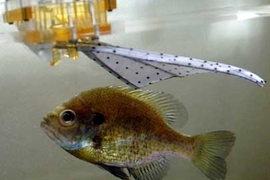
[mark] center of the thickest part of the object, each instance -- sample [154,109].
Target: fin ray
[169,108]
[211,152]
[151,171]
[116,171]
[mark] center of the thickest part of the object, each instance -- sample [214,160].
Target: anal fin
[152,171]
[116,171]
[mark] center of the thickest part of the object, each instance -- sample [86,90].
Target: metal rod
[70,23]
[94,22]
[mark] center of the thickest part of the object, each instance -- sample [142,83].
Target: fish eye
[67,117]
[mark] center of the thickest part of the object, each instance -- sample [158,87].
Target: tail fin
[211,152]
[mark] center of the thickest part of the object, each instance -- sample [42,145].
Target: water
[30,88]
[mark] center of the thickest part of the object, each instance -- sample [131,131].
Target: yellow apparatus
[49,27]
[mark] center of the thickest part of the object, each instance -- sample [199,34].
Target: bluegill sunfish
[120,128]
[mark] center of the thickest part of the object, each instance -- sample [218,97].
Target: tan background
[30,88]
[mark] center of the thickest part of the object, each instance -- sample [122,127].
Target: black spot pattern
[177,69]
[132,72]
[164,64]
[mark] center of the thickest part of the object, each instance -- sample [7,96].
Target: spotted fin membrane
[139,68]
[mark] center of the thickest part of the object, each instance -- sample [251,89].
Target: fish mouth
[44,124]
[48,130]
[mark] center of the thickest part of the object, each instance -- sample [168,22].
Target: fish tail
[211,150]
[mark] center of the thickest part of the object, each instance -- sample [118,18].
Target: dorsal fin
[168,107]
[152,171]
